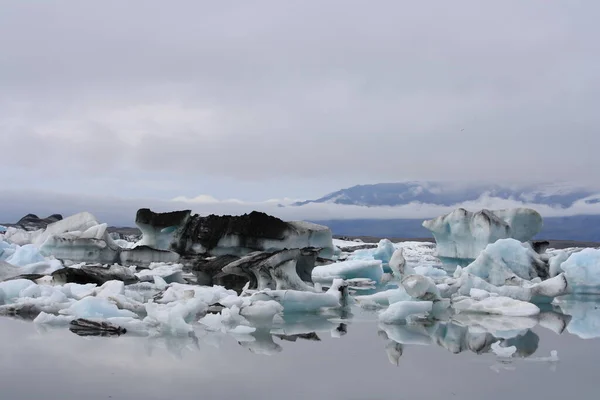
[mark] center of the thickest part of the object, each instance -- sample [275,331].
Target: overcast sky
[271,99]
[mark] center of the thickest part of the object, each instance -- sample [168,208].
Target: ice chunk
[384,298]
[463,234]
[421,287]
[96,307]
[497,305]
[556,261]
[582,271]
[371,269]
[261,313]
[110,289]
[398,265]
[430,271]
[175,318]
[543,292]
[169,273]
[10,290]
[21,237]
[208,294]
[75,223]
[52,320]
[42,268]
[501,261]
[77,291]
[298,301]
[24,255]
[398,312]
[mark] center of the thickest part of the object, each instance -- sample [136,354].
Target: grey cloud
[338,92]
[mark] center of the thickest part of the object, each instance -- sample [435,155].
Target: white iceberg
[464,234]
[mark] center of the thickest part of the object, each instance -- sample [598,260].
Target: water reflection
[478,334]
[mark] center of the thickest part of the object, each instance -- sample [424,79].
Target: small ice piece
[398,312]
[95,307]
[52,320]
[226,321]
[384,298]
[497,305]
[10,290]
[42,268]
[175,318]
[25,255]
[556,261]
[298,301]
[169,272]
[583,272]
[421,287]
[479,294]
[261,313]
[77,291]
[503,352]
[110,288]
[430,271]
[160,283]
[371,269]
[398,264]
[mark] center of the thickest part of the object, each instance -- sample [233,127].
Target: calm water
[57,364]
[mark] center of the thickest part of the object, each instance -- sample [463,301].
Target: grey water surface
[54,363]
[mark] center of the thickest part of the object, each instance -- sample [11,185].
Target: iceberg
[463,234]
[215,235]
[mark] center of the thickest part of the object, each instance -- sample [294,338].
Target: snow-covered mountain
[448,194]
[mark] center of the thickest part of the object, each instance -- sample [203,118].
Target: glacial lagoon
[354,359]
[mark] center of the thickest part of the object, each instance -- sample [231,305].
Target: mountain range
[448,194]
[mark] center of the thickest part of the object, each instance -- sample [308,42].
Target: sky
[270,99]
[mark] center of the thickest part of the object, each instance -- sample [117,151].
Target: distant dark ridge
[580,228]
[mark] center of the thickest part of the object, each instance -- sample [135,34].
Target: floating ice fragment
[400,311]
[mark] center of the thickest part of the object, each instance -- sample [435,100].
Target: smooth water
[54,363]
